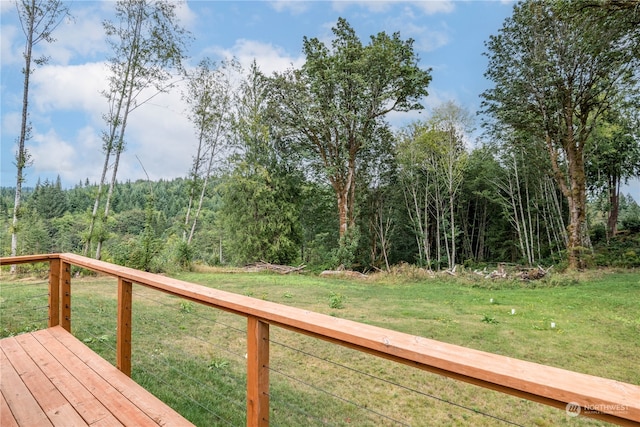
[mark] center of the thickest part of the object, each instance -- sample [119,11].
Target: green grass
[193,357]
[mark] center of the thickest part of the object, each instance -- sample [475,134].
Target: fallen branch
[282,269]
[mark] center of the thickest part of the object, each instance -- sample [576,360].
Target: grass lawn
[193,357]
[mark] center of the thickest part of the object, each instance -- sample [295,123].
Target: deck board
[49,378]
[58,409]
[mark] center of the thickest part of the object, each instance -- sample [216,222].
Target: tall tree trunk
[112,184]
[96,202]
[614,206]
[196,173]
[343,209]
[22,157]
[125,101]
[344,188]
[213,146]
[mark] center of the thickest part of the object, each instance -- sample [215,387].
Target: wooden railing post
[65,295]
[54,292]
[257,372]
[123,339]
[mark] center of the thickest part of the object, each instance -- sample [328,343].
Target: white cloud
[73,159]
[269,57]
[6,6]
[11,54]
[426,39]
[68,45]
[157,131]
[51,154]
[161,136]
[431,7]
[186,16]
[435,99]
[10,124]
[70,87]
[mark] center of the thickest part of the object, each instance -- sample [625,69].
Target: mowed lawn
[192,356]
[596,317]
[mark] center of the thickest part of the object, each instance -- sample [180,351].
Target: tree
[260,214]
[49,200]
[421,188]
[146,41]
[481,221]
[209,96]
[334,107]
[38,18]
[556,69]
[614,157]
[433,156]
[453,124]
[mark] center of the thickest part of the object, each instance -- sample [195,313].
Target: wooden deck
[49,378]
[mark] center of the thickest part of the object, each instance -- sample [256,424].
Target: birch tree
[147,43]
[433,156]
[38,20]
[454,125]
[209,97]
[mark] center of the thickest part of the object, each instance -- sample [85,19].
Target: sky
[66,107]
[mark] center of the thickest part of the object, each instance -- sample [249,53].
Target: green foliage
[186,307]
[184,254]
[344,256]
[348,88]
[630,215]
[553,65]
[293,186]
[336,301]
[219,364]
[489,319]
[260,215]
[49,200]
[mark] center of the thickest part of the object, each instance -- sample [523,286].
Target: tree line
[302,166]
[146,228]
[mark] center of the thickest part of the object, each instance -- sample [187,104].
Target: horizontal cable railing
[595,397]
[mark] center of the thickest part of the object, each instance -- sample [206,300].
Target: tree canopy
[556,69]
[334,107]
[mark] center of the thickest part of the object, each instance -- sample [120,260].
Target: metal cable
[396,384]
[335,396]
[161,380]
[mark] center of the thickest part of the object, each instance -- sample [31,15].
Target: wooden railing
[600,398]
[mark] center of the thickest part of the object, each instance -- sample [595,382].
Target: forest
[303,166]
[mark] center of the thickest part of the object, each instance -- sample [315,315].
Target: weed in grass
[101,339]
[489,319]
[336,301]
[218,364]
[186,307]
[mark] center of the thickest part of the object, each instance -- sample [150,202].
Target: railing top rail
[614,400]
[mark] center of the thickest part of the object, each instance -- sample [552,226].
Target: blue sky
[67,108]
